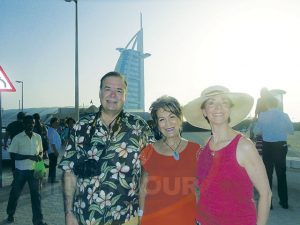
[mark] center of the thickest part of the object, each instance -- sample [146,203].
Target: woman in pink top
[229,165]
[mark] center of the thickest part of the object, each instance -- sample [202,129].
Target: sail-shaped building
[131,65]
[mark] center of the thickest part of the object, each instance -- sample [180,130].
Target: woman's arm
[248,157]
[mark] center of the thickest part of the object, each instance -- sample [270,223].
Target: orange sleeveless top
[170,195]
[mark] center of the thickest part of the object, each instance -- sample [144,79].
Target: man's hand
[35,158]
[70,219]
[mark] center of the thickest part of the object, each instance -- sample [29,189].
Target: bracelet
[140,212]
[69,211]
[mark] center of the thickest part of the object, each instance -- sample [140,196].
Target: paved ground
[53,205]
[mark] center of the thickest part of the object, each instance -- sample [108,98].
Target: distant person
[70,122]
[274,126]
[167,194]
[12,130]
[229,165]
[101,166]
[27,148]
[40,128]
[261,104]
[61,127]
[54,149]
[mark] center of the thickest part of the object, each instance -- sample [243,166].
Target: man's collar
[116,121]
[120,114]
[24,133]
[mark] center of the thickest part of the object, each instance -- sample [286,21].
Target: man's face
[55,125]
[28,125]
[112,94]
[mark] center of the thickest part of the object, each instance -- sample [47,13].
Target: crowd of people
[120,170]
[30,141]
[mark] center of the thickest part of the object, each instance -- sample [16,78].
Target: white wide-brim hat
[242,105]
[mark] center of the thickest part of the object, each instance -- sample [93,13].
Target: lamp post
[21,82]
[76,62]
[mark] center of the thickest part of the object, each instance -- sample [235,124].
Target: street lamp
[21,82]
[76,62]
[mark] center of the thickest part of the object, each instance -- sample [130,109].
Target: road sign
[5,84]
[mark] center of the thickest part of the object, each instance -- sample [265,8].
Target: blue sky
[242,44]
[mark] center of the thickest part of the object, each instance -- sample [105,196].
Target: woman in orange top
[167,194]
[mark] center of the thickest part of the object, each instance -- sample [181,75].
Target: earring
[160,133]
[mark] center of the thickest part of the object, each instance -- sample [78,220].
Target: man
[261,104]
[54,149]
[27,148]
[40,128]
[101,165]
[274,126]
[12,130]
[66,131]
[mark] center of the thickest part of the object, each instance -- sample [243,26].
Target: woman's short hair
[167,103]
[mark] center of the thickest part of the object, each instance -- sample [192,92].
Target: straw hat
[242,104]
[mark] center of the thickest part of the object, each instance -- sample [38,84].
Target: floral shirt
[113,194]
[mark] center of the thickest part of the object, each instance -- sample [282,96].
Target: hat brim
[242,105]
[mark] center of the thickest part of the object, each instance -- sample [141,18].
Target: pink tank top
[226,191]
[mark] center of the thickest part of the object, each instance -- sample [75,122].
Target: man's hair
[36,116]
[20,115]
[27,118]
[113,74]
[169,104]
[53,120]
[69,119]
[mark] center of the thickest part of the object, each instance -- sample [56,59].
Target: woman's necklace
[223,142]
[213,153]
[175,150]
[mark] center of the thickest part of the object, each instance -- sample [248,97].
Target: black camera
[87,168]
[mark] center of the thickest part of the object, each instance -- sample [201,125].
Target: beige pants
[133,221]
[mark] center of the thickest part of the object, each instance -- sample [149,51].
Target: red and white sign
[5,84]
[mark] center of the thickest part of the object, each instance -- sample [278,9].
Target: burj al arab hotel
[131,65]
